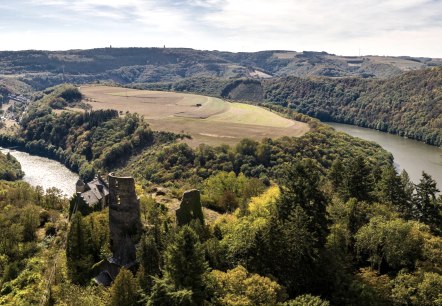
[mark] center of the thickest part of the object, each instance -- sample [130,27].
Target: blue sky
[345,27]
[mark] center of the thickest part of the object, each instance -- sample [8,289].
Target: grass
[250,114]
[208,120]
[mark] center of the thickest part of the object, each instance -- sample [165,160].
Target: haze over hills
[41,69]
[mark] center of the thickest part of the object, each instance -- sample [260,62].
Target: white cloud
[344,26]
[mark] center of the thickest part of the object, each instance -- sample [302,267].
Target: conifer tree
[391,190]
[184,271]
[150,262]
[185,265]
[358,181]
[300,186]
[428,208]
[79,260]
[124,290]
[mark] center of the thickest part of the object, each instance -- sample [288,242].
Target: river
[45,172]
[411,155]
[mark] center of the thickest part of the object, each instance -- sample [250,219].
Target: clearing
[208,120]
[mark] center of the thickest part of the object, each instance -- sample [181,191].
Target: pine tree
[184,272]
[296,250]
[408,211]
[300,186]
[185,265]
[150,262]
[428,208]
[391,190]
[336,175]
[124,290]
[79,260]
[358,182]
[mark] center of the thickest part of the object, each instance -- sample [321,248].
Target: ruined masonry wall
[124,219]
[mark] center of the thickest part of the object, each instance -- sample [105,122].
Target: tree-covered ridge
[409,105]
[354,234]
[177,164]
[351,233]
[10,168]
[58,97]
[83,141]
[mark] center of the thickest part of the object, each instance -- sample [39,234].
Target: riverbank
[412,155]
[45,172]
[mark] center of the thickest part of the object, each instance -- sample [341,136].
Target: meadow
[208,120]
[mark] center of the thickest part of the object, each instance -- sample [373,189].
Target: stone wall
[124,219]
[190,208]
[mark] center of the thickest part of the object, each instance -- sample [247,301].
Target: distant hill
[146,65]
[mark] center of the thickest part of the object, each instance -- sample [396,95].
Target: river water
[45,172]
[411,155]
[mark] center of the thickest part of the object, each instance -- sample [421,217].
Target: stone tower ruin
[190,208]
[124,220]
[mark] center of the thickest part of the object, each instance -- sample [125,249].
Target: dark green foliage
[164,293]
[290,247]
[179,163]
[292,251]
[407,105]
[149,258]
[10,169]
[124,290]
[429,208]
[391,189]
[353,178]
[78,245]
[300,187]
[61,96]
[184,263]
[87,244]
[184,271]
[84,142]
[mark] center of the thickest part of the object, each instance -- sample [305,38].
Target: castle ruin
[190,208]
[124,228]
[124,219]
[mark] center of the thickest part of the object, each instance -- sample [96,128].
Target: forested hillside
[409,105]
[353,234]
[83,141]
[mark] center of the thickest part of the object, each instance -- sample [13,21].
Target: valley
[285,209]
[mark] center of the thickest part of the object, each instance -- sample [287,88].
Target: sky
[343,27]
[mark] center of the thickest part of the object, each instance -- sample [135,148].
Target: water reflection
[411,155]
[45,172]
